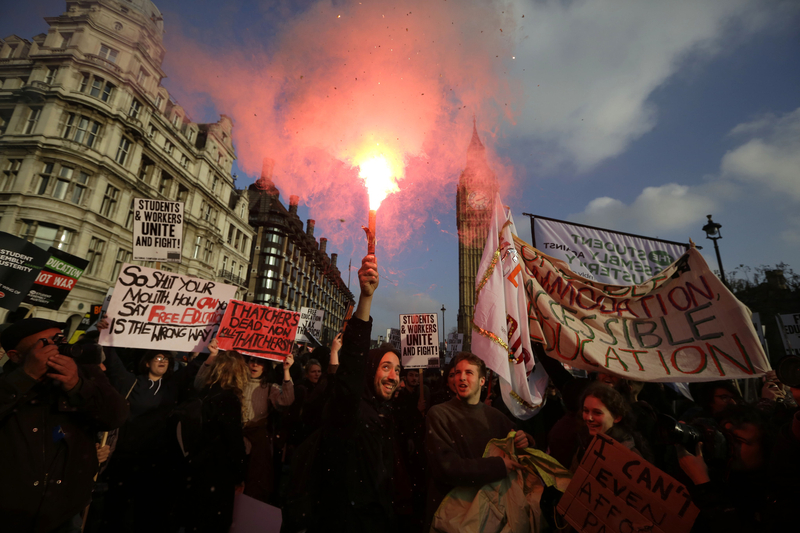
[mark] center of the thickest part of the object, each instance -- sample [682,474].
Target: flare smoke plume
[342,80]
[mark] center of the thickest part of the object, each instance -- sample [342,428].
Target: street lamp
[713,233]
[444,329]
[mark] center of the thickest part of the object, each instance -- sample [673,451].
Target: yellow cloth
[510,505]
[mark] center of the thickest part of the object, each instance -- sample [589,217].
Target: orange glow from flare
[379,176]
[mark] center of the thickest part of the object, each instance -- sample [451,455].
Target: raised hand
[368,275]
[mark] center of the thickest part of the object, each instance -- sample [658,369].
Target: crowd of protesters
[343,438]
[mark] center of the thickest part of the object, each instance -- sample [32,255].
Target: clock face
[478,200]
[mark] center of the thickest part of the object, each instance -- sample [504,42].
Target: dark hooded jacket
[355,456]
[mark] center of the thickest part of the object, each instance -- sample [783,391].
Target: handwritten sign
[20,264]
[419,340]
[58,277]
[455,343]
[179,313]
[157,230]
[311,321]
[258,330]
[614,489]
[680,325]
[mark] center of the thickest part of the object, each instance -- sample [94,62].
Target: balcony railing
[228,275]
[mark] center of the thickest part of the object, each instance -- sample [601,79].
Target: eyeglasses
[160,359]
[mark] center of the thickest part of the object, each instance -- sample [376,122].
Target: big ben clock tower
[477,188]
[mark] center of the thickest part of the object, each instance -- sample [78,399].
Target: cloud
[589,67]
[666,208]
[770,159]
[393,302]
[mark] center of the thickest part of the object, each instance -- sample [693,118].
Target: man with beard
[355,459]
[458,432]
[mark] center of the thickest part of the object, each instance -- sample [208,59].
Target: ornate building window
[108,53]
[33,118]
[122,151]
[136,107]
[81,129]
[70,185]
[168,146]
[10,172]
[109,206]
[95,256]
[123,256]
[96,87]
[51,75]
[47,235]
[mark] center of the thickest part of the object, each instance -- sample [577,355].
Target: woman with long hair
[605,411]
[260,396]
[217,468]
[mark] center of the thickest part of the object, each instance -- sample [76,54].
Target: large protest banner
[419,340]
[311,322]
[602,255]
[56,280]
[790,332]
[20,264]
[681,325]
[615,489]
[258,330]
[157,230]
[176,312]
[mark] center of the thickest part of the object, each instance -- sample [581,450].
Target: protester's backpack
[188,418]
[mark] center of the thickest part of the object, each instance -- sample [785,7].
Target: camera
[788,371]
[715,446]
[83,354]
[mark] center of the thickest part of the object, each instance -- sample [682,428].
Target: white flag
[500,333]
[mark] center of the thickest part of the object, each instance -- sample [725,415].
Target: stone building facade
[86,127]
[290,268]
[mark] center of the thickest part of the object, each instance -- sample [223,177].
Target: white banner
[155,309]
[311,320]
[500,331]
[681,325]
[604,256]
[419,340]
[157,230]
[790,332]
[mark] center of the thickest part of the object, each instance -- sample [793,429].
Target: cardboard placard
[177,312]
[615,489]
[258,330]
[20,264]
[311,321]
[790,332]
[58,277]
[419,340]
[157,230]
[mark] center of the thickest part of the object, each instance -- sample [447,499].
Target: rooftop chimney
[265,181]
[310,227]
[334,257]
[323,244]
[293,201]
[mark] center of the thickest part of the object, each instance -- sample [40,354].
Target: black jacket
[47,445]
[355,456]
